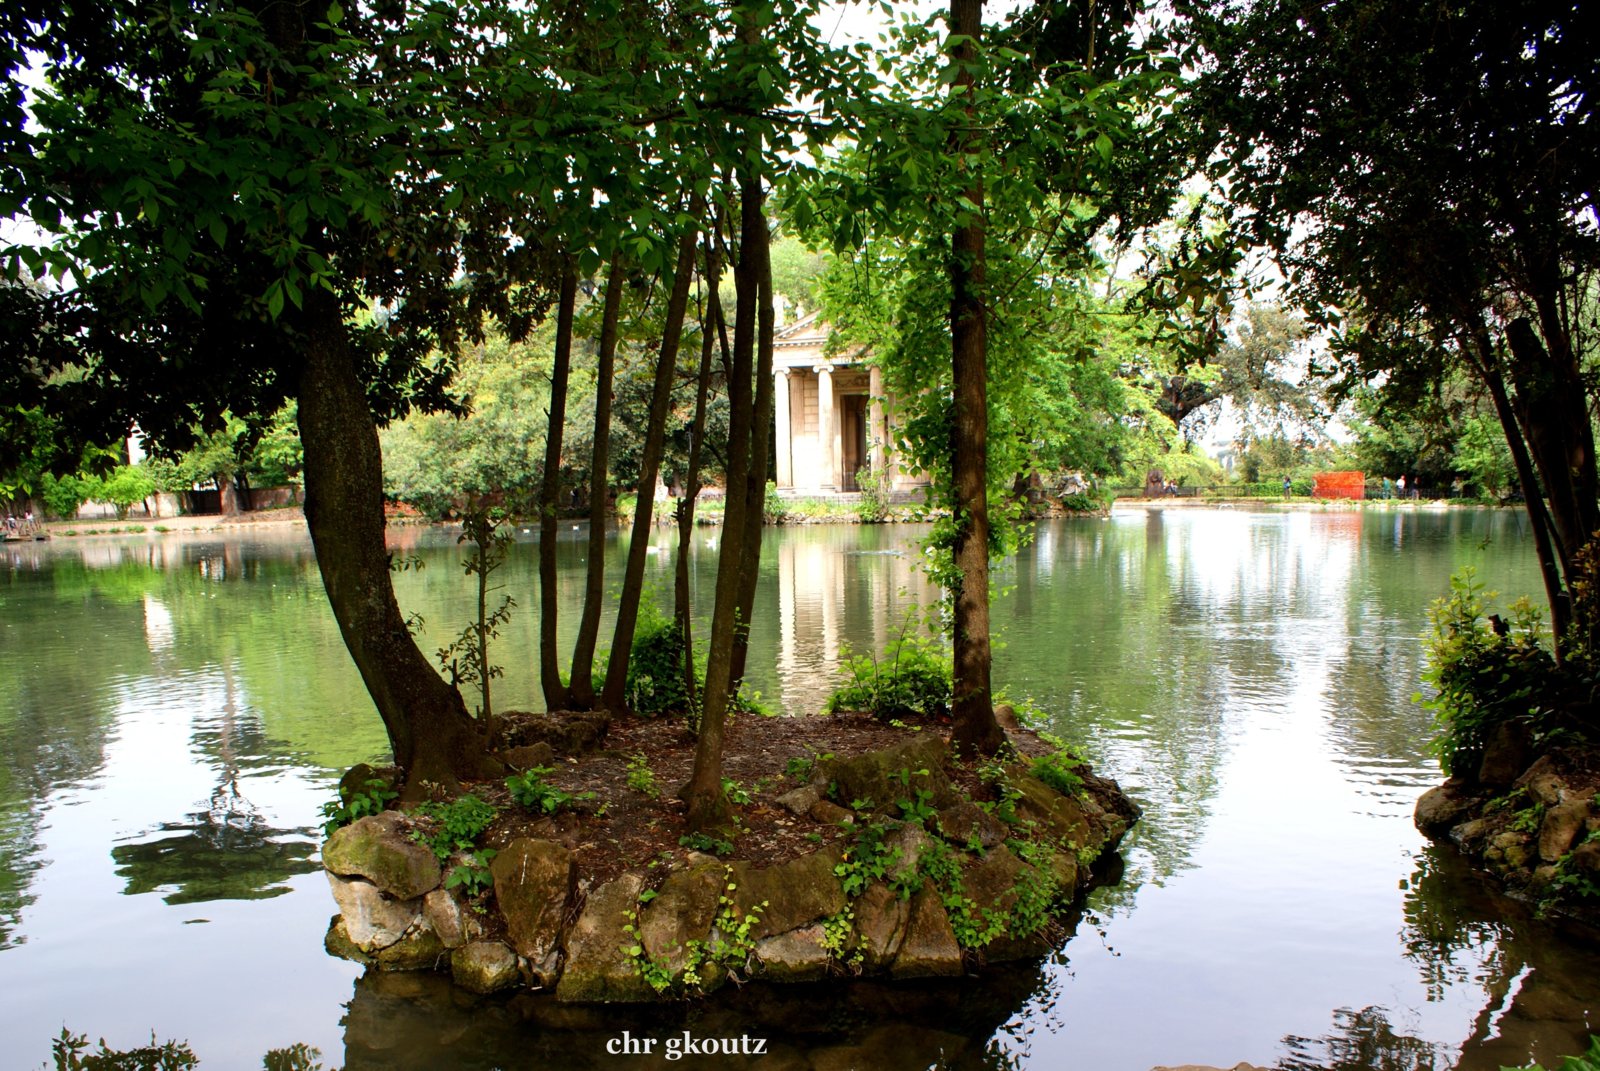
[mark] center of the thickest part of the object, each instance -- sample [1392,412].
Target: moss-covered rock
[879,779]
[379,848]
[929,949]
[484,967]
[789,895]
[419,950]
[797,956]
[534,882]
[681,912]
[598,967]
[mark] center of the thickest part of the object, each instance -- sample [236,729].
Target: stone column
[780,411]
[877,430]
[827,433]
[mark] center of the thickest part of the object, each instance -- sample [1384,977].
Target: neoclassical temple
[832,417]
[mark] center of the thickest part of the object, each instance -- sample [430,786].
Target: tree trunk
[712,331]
[433,738]
[707,803]
[756,484]
[581,689]
[1539,520]
[227,495]
[555,693]
[975,731]
[1550,407]
[649,468]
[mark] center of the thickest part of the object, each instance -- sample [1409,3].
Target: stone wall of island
[927,881]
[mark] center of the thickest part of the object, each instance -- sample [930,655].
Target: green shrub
[1059,770]
[461,822]
[530,790]
[1482,678]
[912,679]
[373,797]
[655,684]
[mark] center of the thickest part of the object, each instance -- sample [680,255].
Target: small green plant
[838,937]
[530,789]
[912,680]
[1588,1061]
[705,842]
[801,767]
[737,794]
[466,658]
[461,822]
[641,778]
[162,529]
[1059,770]
[876,488]
[372,798]
[473,876]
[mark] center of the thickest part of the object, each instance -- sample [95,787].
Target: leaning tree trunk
[707,803]
[613,698]
[975,731]
[1477,345]
[581,689]
[433,737]
[555,693]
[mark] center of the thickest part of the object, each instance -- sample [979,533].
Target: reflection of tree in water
[1538,987]
[227,851]
[420,1021]
[1364,1041]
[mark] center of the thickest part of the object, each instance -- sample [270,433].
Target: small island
[855,847]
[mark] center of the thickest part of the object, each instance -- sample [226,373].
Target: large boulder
[880,779]
[419,950]
[968,825]
[681,911]
[929,949]
[372,921]
[796,956]
[379,848]
[598,967]
[484,966]
[1560,828]
[789,895]
[1059,819]
[1444,806]
[882,918]
[447,918]
[534,882]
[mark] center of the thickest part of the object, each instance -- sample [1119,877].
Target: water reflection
[174,710]
[419,1021]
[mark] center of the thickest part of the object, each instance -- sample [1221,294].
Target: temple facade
[833,419]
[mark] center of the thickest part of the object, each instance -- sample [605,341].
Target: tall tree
[1425,174]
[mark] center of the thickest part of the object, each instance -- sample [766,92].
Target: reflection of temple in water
[834,600]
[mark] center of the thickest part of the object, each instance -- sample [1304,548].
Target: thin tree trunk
[580,692]
[712,330]
[555,693]
[707,803]
[975,731]
[649,468]
[430,732]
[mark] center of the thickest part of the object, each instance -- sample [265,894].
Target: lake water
[174,709]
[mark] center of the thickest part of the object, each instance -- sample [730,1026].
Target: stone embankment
[1532,822]
[927,882]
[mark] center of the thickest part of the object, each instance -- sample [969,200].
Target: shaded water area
[173,710]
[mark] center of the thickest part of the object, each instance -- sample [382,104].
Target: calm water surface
[173,710]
